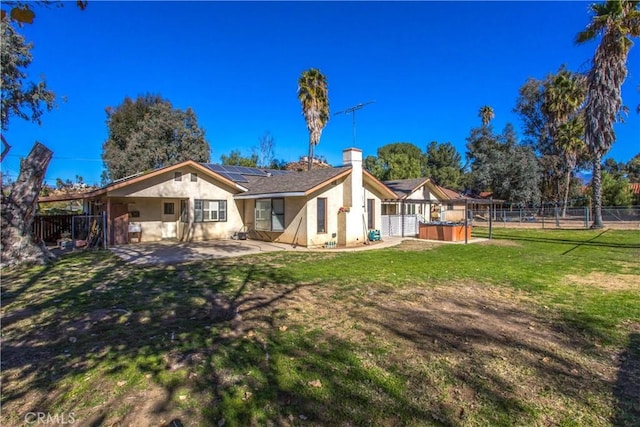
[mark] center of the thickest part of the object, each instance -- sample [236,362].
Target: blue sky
[429,66]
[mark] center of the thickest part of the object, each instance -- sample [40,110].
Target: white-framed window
[269,214]
[210,210]
[409,209]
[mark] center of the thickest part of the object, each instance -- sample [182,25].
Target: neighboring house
[418,200]
[198,201]
[635,191]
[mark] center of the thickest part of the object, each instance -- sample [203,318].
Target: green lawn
[532,328]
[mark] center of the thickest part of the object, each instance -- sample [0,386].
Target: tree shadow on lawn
[203,331]
[627,389]
[214,333]
[512,362]
[121,321]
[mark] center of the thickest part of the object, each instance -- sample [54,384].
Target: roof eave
[270,195]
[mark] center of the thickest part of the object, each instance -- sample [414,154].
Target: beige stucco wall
[334,193]
[148,198]
[295,218]
[377,221]
[301,217]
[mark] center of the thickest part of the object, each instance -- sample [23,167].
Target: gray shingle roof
[404,187]
[294,182]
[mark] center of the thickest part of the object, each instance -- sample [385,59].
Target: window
[371,213]
[263,214]
[169,208]
[322,214]
[210,210]
[270,214]
[194,177]
[410,209]
[177,176]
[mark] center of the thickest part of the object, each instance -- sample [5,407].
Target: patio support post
[466,220]
[108,211]
[402,216]
[491,208]
[104,230]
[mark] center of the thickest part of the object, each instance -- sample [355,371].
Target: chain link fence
[627,218]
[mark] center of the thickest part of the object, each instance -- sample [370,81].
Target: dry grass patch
[606,281]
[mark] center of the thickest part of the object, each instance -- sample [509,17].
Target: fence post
[586,217]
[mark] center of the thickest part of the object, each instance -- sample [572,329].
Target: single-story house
[423,198]
[202,201]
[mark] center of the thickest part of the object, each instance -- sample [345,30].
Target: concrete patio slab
[172,252]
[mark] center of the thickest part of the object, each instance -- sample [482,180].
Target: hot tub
[445,231]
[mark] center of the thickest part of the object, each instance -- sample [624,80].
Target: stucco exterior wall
[422,193]
[377,221]
[295,221]
[334,193]
[148,197]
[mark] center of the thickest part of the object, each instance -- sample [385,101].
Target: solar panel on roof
[215,167]
[236,177]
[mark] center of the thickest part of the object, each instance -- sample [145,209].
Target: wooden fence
[49,228]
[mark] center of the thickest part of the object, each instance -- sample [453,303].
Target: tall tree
[486,114]
[614,22]
[149,133]
[442,164]
[375,166]
[564,94]
[616,190]
[26,101]
[21,99]
[235,158]
[399,160]
[21,11]
[313,94]
[501,165]
[633,168]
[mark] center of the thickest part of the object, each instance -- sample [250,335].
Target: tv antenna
[352,111]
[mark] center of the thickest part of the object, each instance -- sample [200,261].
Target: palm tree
[569,140]
[564,94]
[486,114]
[313,95]
[614,22]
